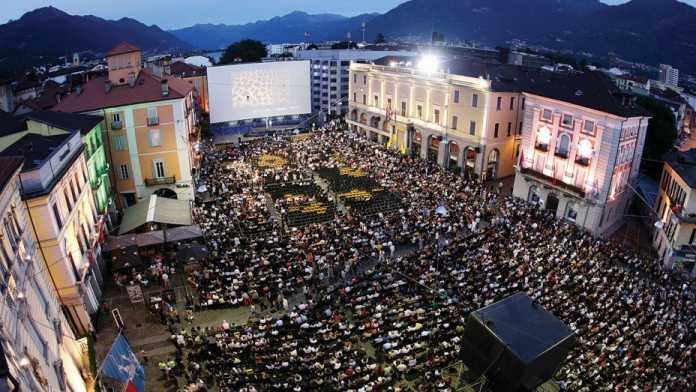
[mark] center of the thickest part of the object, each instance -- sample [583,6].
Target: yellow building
[150,127]
[40,348]
[675,234]
[456,118]
[58,196]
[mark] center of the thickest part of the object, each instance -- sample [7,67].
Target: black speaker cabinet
[515,343]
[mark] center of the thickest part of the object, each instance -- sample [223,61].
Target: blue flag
[121,364]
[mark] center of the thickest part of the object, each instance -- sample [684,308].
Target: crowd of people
[384,296]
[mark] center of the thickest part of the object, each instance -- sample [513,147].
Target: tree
[380,39]
[438,37]
[312,47]
[662,132]
[244,51]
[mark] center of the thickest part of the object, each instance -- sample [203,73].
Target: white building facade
[330,75]
[40,349]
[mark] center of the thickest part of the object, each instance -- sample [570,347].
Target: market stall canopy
[184,233]
[156,210]
[119,242]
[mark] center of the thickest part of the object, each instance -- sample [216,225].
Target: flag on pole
[121,364]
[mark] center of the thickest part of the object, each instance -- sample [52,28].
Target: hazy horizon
[169,16]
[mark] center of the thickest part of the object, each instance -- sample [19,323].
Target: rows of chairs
[360,194]
[304,203]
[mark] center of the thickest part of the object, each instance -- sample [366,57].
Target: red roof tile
[185,70]
[147,88]
[123,47]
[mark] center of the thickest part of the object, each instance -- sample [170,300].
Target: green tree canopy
[380,39]
[244,51]
[662,132]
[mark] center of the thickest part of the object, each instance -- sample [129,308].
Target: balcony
[542,147]
[556,183]
[583,161]
[160,181]
[152,121]
[116,125]
[562,154]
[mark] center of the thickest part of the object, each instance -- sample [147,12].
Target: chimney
[107,86]
[165,87]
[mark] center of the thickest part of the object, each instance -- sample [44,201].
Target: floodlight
[429,63]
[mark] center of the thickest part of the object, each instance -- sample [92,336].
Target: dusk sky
[170,14]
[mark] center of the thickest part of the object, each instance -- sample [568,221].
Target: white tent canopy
[156,210]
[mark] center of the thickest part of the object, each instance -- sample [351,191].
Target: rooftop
[67,121]
[8,167]
[147,88]
[684,163]
[34,148]
[123,48]
[10,124]
[185,70]
[590,89]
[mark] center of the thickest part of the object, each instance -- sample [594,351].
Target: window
[355,78]
[389,103]
[512,103]
[567,120]
[499,103]
[118,143]
[436,116]
[67,199]
[523,102]
[495,130]
[56,215]
[158,169]
[563,146]
[588,127]
[474,101]
[364,99]
[116,117]
[455,99]
[547,115]
[571,213]
[364,79]
[154,138]
[519,130]
[419,109]
[355,97]
[72,189]
[376,100]
[41,295]
[152,117]
[454,122]
[693,236]
[124,172]
[472,128]
[39,342]
[403,109]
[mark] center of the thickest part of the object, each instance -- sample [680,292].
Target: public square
[339,265]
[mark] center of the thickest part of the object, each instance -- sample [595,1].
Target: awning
[150,238]
[183,233]
[119,242]
[156,210]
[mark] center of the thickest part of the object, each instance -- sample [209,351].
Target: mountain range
[51,32]
[648,31]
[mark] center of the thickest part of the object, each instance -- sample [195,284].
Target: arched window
[533,196]
[563,146]
[492,166]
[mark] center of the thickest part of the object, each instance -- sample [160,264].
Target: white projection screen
[258,90]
